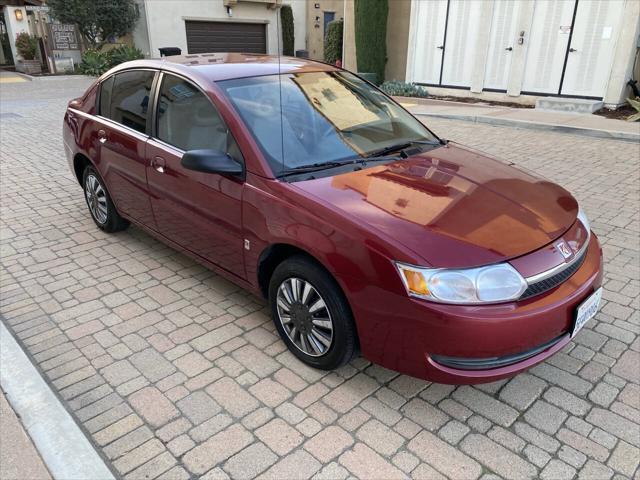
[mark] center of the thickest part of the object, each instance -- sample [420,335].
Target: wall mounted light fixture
[18,13]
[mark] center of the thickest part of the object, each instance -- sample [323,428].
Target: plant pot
[29,66]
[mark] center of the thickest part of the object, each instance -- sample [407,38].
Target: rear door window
[130,98]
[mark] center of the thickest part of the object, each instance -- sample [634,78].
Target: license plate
[586,311]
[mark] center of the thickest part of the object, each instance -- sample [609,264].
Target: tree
[371,36]
[286,18]
[97,20]
[333,42]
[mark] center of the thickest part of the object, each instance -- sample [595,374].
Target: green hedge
[286,19]
[333,41]
[371,36]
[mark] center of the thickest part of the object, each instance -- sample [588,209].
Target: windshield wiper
[314,167]
[400,147]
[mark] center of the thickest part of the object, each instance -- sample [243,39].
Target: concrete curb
[507,122]
[65,449]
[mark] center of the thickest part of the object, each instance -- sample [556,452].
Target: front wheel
[312,314]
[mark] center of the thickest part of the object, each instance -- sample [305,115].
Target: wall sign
[63,37]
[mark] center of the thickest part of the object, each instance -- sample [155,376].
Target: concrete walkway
[12,77]
[19,458]
[575,123]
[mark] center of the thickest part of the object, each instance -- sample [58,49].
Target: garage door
[204,37]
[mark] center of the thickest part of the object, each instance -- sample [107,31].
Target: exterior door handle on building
[441,47]
[509,49]
[572,50]
[102,136]
[158,164]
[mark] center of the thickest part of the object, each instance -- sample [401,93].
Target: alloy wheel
[96,198]
[304,316]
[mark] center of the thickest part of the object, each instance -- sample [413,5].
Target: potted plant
[27,46]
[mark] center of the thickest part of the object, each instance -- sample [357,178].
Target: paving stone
[583,444]
[363,462]
[279,436]
[217,449]
[152,364]
[192,364]
[567,401]
[445,458]
[497,458]
[424,414]
[350,393]
[154,407]
[546,417]
[198,407]
[595,471]
[558,470]
[250,462]
[625,459]
[616,425]
[298,465]
[232,397]
[494,410]
[269,392]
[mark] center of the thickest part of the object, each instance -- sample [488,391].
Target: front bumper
[413,336]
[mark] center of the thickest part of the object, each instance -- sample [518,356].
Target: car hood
[451,206]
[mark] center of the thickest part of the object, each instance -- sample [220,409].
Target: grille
[493,362]
[548,283]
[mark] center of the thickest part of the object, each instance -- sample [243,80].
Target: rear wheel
[312,314]
[102,209]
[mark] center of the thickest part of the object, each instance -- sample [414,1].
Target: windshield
[325,117]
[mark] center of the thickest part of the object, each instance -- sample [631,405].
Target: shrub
[333,41]
[371,36]
[403,89]
[286,19]
[123,53]
[635,103]
[26,45]
[94,63]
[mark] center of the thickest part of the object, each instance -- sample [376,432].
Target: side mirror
[211,161]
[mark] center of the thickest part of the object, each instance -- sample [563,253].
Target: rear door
[123,119]
[199,211]
[205,37]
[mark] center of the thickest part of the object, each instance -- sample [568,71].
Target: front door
[502,38]
[548,43]
[430,21]
[460,42]
[199,211]
[592,47]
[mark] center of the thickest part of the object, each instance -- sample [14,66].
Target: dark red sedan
[365,231]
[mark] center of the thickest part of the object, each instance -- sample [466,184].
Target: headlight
[492,284]
[582,216]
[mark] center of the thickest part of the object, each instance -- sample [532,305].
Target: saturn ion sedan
[366,232]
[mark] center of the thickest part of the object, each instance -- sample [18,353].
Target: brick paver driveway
[176,373]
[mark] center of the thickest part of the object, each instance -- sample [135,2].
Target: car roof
[226,66]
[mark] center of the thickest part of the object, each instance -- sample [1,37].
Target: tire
[304,328]
[101,208]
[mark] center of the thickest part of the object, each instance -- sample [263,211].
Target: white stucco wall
[14,27]
[165,20]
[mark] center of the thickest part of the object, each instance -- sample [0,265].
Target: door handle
[573,50]
[441,47]
[102,136]
[158,164]
[509,49]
